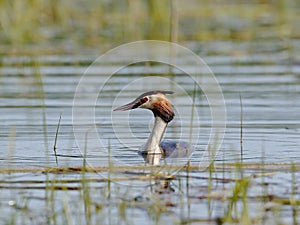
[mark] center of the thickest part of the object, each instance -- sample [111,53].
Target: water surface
[34,94]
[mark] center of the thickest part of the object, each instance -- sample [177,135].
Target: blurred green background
[46,25]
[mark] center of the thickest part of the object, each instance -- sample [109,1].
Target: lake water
[34,91]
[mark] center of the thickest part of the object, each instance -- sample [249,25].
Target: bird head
[156,101]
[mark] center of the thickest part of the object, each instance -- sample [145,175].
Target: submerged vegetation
[81,196]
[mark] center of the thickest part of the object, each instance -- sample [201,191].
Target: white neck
[153,142]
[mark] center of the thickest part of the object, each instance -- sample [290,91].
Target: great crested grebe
[162,109]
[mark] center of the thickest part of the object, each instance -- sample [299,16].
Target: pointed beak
[131,105]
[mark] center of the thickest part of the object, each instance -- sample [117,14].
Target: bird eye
[145,99]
